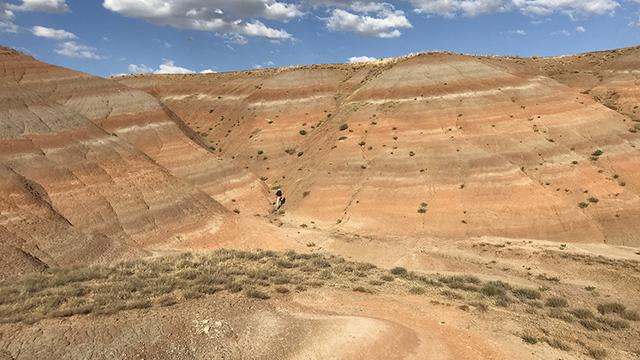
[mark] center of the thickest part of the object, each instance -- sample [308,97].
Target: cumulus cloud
[79,51]
[359,59]
[529,7]
[6,21]
[53,6]
[233,17]
[635,23]
[369,19]
[50,33]
[580,29]
[167,67]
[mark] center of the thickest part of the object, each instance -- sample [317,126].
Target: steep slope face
[92,171]
[434,145]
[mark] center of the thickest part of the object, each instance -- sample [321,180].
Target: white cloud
[50,33]
[264,65]
[518,32]
[232,17]
[74,50]
[140,69]
[580,29]
[635,23]
[529,7]
[6,21]
[167,67]
[54,6]
[385,22]
[359,59]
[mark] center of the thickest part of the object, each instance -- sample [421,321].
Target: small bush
[480,306]
[387,278]
[598,353]
[303,132]
[558,344]
[583,205]
[526,293]
[609,308]
[529,339]
[559,314]
[257,294]
[597,153]
[593,200]
[416,290]
[362,289]
[494,288]
[282,289]
[582,313]
[591,324]
[503,301]
[630,315]
[167,300]
[451,294]
[614,323]
[556,302]
[344,127]
[399,271]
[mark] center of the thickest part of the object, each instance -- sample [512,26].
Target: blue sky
[106,37]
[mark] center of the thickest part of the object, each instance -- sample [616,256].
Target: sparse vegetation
[526,293]
[556,302]
[582,313]
[597,353]
[608,308]
[529,339]
[344,127]
[417,290]
[399,271]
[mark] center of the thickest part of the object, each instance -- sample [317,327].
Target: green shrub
[344,127]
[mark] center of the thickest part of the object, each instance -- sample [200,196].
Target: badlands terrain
[439,206]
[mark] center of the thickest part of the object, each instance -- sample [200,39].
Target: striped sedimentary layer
[436,145]
[93,171]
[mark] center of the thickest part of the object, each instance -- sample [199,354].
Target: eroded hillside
[435,145]
[92,171]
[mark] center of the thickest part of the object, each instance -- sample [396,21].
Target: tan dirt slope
[435,145]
